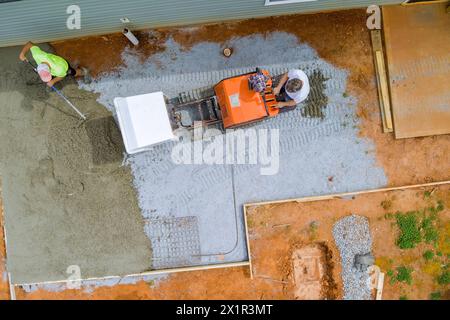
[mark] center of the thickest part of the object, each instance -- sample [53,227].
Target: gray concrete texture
[211,196]
[66,201]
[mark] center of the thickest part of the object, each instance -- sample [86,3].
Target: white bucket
[130,36]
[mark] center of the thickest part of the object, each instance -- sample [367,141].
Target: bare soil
[312,272]
[4,288]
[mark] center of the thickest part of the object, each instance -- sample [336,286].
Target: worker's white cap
[44,72]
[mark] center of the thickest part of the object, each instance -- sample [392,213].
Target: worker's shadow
[34,90]
[106,140]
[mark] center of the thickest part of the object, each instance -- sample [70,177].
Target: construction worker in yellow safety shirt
[51,68]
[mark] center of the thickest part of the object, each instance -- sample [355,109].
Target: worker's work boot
[86,76]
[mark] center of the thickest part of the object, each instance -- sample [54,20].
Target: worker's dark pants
[283,96]
[71,72]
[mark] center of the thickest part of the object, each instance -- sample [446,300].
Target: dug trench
[309,272]
[67,197]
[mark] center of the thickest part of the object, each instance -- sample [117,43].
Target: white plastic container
[143,121]
[127,33]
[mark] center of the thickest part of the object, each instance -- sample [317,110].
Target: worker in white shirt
[292,89]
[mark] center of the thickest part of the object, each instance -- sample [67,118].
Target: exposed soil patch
[4,287]
[275,226]
[312,272]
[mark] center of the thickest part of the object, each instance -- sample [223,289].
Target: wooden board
[408,3]
[380,286]
[384,88]
[148,273]
[417,40]
[382,84]
[346,194]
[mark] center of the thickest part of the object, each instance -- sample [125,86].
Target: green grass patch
[444,278]
[403,297]
[418,226]
[430,233]
[440,206]
[404,274]
[428,255]
[427,194]
[435,295]
[410,235]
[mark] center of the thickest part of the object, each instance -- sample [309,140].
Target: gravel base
[352,237]
[311,149]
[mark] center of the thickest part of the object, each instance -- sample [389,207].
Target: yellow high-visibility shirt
[58,66]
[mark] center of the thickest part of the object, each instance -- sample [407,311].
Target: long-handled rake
[82,116]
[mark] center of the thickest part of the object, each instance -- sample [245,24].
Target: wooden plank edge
[377,45]
[347,194]
[408,4]
[12,292]
[384,89]
[148,273]
[380,101]
[380,286]
[247,237]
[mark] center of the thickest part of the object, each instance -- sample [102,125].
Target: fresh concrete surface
[67,199]
[311,149]
[418,54]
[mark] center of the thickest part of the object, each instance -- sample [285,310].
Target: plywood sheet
[417,42]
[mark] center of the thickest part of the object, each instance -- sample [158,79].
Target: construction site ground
[340,38]
[277,230]
[417,50]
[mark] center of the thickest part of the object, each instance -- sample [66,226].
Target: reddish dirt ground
[4,288]
[342,39]
[280,226]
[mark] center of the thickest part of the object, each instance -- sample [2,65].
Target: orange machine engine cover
[239,104]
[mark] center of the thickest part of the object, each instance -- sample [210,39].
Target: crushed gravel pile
[352,237]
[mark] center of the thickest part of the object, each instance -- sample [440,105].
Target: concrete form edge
[346,194]
[12,292]
[143,274]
